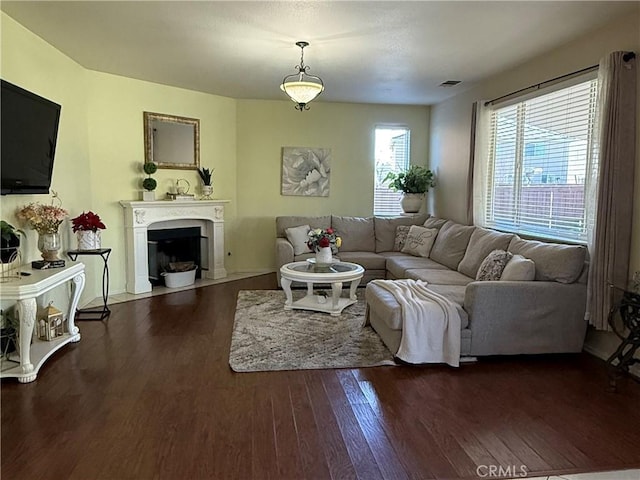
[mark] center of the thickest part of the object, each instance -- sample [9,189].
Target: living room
[100,147]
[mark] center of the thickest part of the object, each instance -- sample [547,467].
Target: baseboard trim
[122,296]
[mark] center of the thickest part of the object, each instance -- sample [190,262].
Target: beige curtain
[478,166]
[611,182]
[472,161]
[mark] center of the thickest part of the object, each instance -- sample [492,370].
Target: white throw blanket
[430,323]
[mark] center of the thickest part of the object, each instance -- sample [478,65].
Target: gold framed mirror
[171,141]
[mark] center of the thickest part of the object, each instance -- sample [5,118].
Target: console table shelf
[33,283]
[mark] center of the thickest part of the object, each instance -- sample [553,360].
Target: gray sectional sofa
[499,317]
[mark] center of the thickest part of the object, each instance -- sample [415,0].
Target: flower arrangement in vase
[45,219]
[87,227]
[325,242]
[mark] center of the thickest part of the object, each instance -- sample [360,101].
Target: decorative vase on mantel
[207,191]
[49,244]
[324,256]
[412,202]
[89,239]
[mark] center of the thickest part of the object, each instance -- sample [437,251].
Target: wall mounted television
[29,132]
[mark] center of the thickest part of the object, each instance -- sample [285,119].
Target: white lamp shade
[302,92]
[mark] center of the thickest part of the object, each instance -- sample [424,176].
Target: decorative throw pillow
[519,269]
[401,237]
[298,237]
[419,241]
[492,266]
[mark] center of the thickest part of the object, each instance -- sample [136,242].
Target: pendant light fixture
[301,87]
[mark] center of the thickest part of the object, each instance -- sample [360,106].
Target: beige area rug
[268,337]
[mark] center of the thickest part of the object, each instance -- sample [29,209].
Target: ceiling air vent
[450,83]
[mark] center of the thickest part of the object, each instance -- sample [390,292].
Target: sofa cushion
[401,237]
[455,293]
[386,228]
[438,277]
[357,233]
[519,269]
[491,267]
[385,305]
[554,261]
[398,265]
[298,237]
[434,222]
[481,244]
[419,241]
[368,260]
[282,223]
[451,244]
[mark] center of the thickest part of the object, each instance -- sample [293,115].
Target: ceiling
[365,52]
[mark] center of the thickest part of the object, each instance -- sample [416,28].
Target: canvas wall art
[306,171]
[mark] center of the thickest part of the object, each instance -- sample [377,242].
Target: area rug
[268,337]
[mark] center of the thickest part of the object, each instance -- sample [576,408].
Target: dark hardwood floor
[148,394]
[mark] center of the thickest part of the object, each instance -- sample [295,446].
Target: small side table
[629,310]
[103,312]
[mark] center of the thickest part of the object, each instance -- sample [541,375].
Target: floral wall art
[306,171]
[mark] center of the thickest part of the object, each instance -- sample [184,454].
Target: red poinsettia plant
[88,221]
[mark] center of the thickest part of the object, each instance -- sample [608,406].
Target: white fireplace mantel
[139,217]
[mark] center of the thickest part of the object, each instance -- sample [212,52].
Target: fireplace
[143,218]
[169,247]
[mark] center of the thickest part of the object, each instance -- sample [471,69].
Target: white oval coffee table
[335,274]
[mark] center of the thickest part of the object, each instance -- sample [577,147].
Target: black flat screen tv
[29,132]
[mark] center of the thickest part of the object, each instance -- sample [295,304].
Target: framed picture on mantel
[306,171]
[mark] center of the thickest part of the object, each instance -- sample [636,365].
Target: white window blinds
[539,152]
[391,155]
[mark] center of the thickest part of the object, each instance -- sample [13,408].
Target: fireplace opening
[175,246]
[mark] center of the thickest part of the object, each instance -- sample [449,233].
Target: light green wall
[101,150]
[116,144]
[100,143]
[264,127]
[31,63]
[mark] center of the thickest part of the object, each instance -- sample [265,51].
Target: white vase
[324,256]
[412,202]
[88,239]
[148,196]
[207,191]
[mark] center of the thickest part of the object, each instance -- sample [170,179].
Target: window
[539,151]
[391,155]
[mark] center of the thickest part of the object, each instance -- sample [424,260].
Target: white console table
[25,291]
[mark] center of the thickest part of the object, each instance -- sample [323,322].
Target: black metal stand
[102,312]
[629,309]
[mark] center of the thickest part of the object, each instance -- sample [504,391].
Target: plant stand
[620,361]
[102,312]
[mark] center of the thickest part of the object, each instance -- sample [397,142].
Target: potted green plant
[10,242]
[205,176]
[414,183]
[149,184]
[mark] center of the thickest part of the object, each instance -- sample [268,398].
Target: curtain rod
[626,57]
[537,86]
